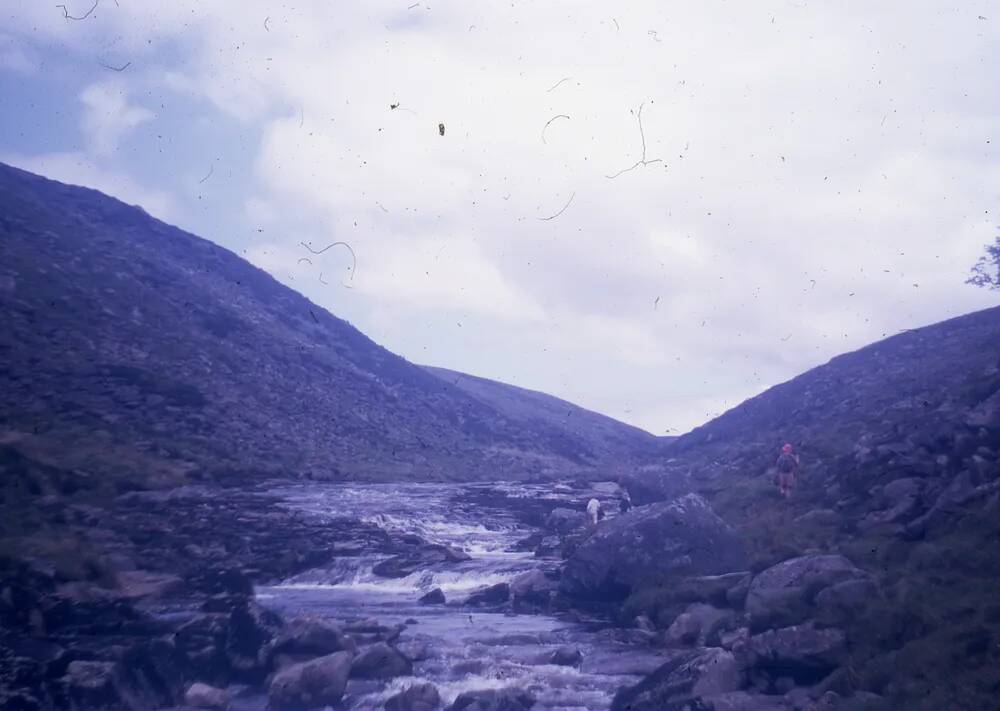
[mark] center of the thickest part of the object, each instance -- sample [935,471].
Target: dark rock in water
[412,561]
[202,641]
[491,595]
[203,696]
[562,520]
[682,680]
[434,597]
[308,635]
[784,594]
[802,652]
[566,657]
[419,697]
[226,581]
[380,661]
[529,543]
[549,547]
[533,588]
[314,684]
[493,700]
[680,538]
[249,634]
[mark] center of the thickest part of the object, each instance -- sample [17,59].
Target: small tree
[986,271]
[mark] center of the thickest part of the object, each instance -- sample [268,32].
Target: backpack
[786,463]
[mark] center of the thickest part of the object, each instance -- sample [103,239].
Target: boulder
[682,680]
[418,697]
[434,597]
[801,652]
[314,684]
[549,547]
[250,631]
[698,625]
[712,589]
[490,595]
[533,587]
[203,696]
[783,595]
[419,558]
[91,685]
[565,657]
[841,602]
[312,636]
[678,539]
[744,701]
[563,520]
[493,700]
[380,661]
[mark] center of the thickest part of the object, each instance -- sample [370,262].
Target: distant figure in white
[594,511]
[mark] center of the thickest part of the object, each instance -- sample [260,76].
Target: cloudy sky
[815,175]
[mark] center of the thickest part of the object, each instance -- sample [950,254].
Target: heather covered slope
[900,447]
[599,436]
[131,350]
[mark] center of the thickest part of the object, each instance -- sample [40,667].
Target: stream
[462,648]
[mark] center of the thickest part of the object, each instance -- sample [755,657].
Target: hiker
[788,469]
[624,501]
[594,511]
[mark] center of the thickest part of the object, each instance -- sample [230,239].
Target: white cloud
[812,163]
[108,117]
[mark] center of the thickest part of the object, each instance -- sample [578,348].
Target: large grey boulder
[312,636]
[533,587]
[314,684]
[203,696]
[676,684]
[652,543]
[418,697]
[699,624]
[493,700]
[801,652]
[380,661]
[785,593]
[563,520]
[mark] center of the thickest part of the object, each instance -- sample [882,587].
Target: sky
[654,211]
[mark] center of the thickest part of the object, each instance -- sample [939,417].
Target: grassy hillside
[900,446]
[134,354]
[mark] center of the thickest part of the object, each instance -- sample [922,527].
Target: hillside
[900,448]
[135,353]
[605,436]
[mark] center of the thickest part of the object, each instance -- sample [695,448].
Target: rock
[314,684]
[684,631]
[783,594]
[490,595]
[708,588]
[434,597]
[203,696]
[736,596]
[549,547]
[820,517]
[566,657]
[418,697]
[676,539]
[312,636]
[681,681]
[249,633]
[414,650]
[533,587]
[91,685]
[380,661]
[743,701]
[563,520]
[420,558]
[645,624]
[493,700]
[802,652]
[698,625]
[840,603]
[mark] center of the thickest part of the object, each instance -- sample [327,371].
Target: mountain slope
[134,351]
[605,436]
[900,447]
